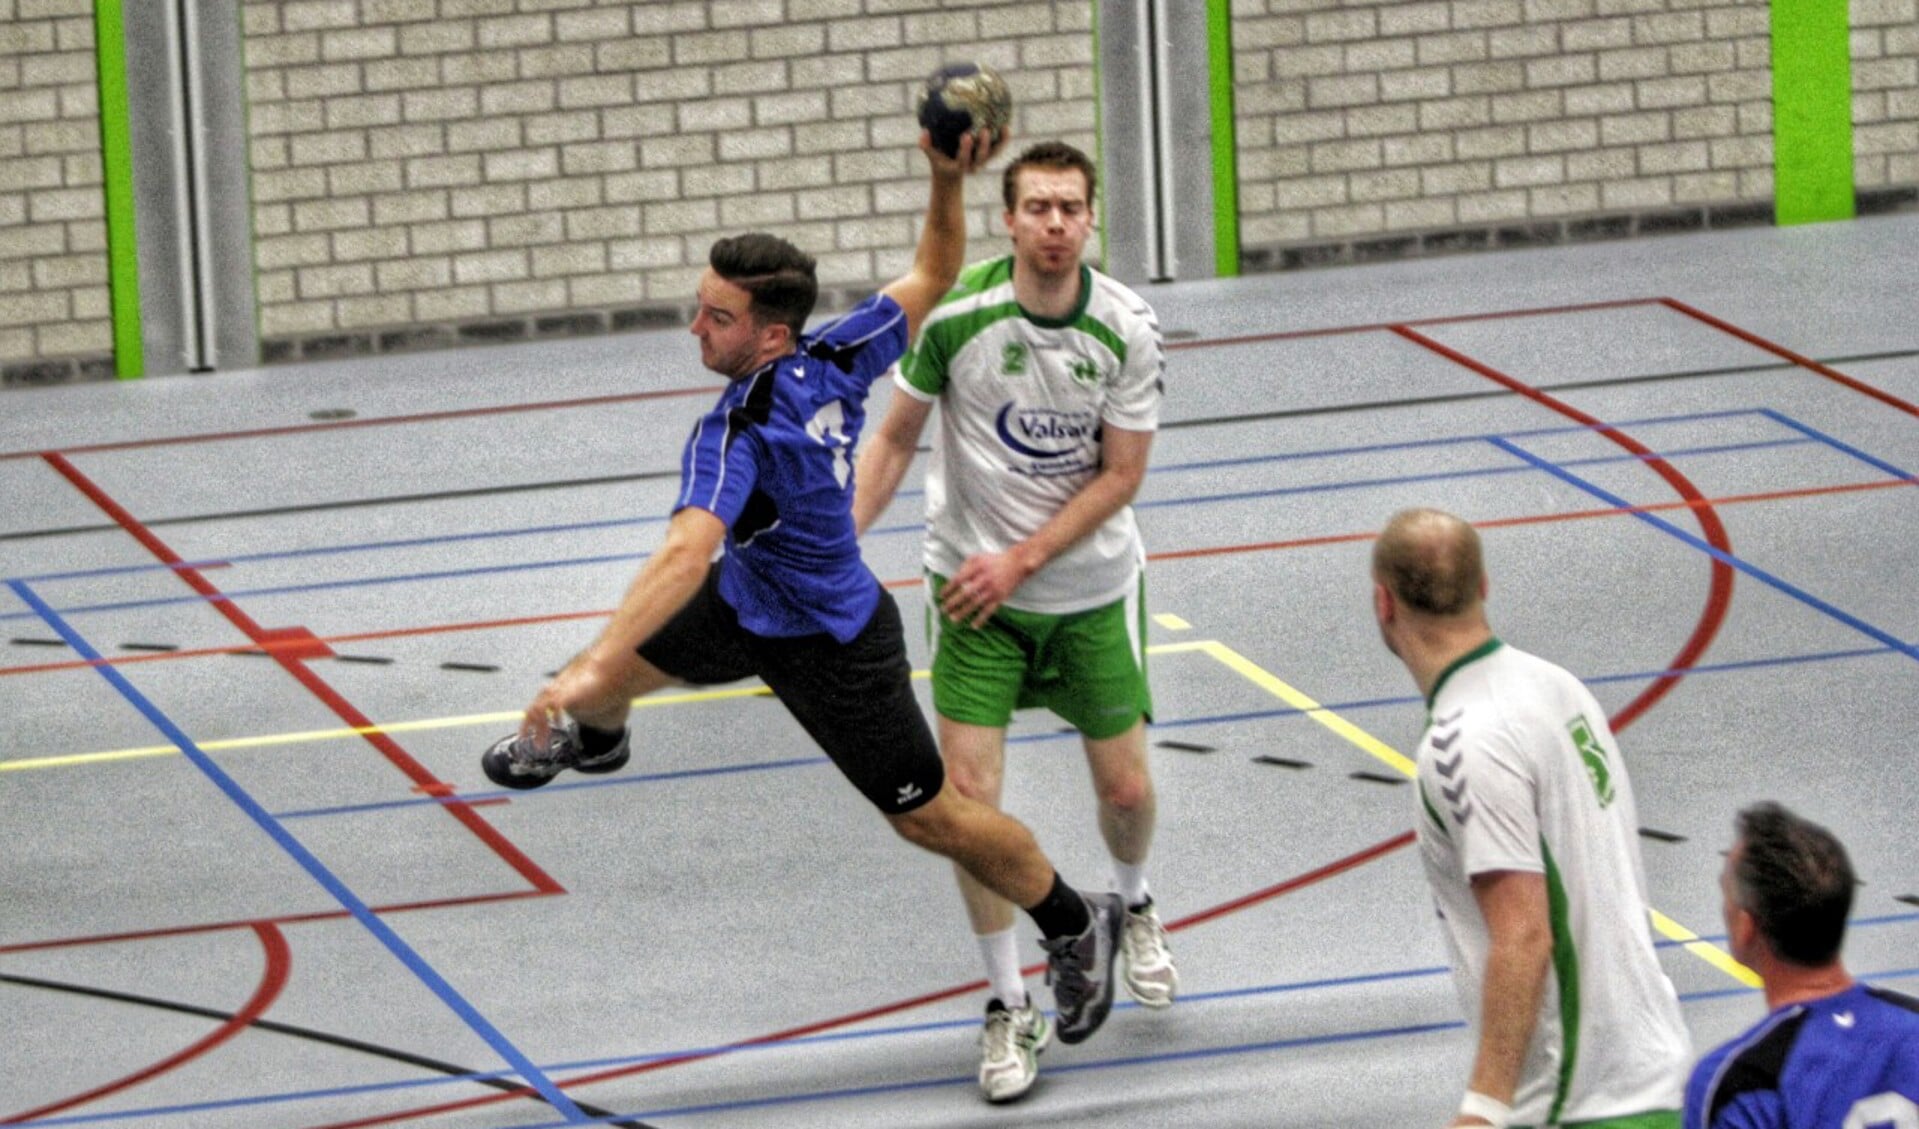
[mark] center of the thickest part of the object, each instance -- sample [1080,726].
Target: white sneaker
[1151,978]
[1009,1046]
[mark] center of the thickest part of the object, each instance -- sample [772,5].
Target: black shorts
[855,699]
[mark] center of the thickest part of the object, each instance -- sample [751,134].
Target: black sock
[1062,912]
[595,742]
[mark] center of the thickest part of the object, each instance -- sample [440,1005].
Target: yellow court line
[1272,684]
[1264,679]
[1171,622]
[315,735]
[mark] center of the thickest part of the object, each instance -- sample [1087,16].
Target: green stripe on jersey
[1566,973]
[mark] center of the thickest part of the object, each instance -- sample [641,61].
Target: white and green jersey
[1022,400]
[1518,770]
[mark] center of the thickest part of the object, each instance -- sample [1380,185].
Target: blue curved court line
[309,863]
[1166,468]
[1754,571]
[1350,706]
[1188,500]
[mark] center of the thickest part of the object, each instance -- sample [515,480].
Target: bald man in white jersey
[1530,840]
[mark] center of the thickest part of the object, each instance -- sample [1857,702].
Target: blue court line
[1276,712]
[358,547]
[307,860]
[571,562]
[1167,468]
[1844,448]
[551,789]
[1754,571]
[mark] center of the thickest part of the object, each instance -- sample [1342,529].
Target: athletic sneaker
[1150,976]
[1009,1046]
[520,762]
[1080,969]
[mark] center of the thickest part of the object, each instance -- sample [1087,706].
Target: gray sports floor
[253,875]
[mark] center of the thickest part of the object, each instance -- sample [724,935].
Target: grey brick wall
[1885,101]
[431,170]
[1379,129]
[54,301]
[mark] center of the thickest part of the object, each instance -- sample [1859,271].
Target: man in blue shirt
[1832,1053]
[767,475]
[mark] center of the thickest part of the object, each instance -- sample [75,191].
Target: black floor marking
[38,642]
[1377,778]
[1660,836]
[1283,762]
[480,668]
[364,659]
[310,1034]
[1909,899]
[1165,425]
[149,647]
[1187,747]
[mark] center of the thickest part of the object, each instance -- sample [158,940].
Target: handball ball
[961,97]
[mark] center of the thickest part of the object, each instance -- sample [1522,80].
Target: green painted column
[1811,111]
[1219,52]
[116,153]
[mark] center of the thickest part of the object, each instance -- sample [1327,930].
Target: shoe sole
[610,764]
[498,773]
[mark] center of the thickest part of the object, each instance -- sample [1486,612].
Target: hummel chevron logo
[1445,742]
[1450,718]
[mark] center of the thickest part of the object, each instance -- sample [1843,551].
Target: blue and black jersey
[774,461]
[1851,1059]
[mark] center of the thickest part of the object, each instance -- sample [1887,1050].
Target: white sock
[1001,951]
[1129,880]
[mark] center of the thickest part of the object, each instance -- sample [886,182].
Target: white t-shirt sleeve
[1132,400]
[1501,829]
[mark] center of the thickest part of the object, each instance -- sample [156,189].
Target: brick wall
[1379,129]
[53,260]
[1885,101]
[427,171]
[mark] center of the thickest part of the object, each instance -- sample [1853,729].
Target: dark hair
[778,275]
[1793,876]
[1430,561]
[1048,155]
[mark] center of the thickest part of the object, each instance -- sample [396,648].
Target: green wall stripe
[1811,111]
[116,158]
[1219,60]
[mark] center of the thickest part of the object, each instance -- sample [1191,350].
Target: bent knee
[1128,793]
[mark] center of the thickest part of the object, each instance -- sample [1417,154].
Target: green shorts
[1088,667]
[1658,1119]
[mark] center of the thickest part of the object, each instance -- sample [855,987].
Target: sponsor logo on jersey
[1044,433]
[1598,763]
[1085,371]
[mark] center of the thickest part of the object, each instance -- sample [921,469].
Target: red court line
[589,401]
[289,661]
[279,963]
[1719,595]
[255,923]
[1826,371]
[1387,326]
[374,421]
[910,582]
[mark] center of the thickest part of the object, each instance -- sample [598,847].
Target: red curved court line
[279,962]
[375,421]
[295,666]
[1719,593]
[1826,371]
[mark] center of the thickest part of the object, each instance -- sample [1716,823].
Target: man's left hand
[980,586]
